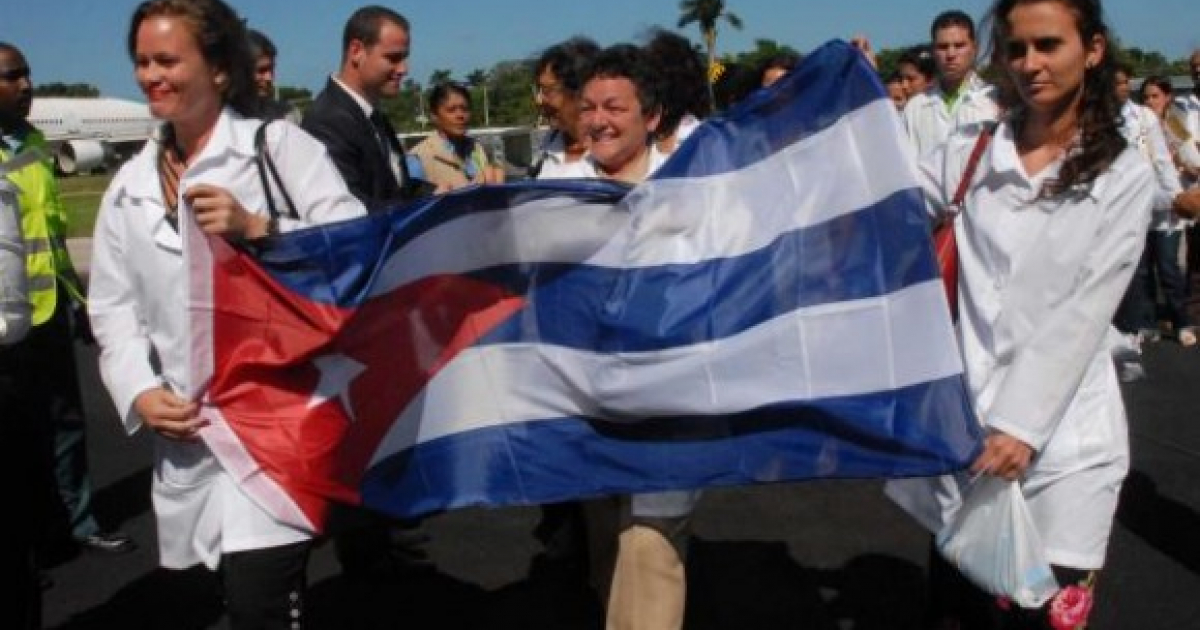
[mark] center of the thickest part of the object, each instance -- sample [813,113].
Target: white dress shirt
[137,302]
[1039,283]
[930,122]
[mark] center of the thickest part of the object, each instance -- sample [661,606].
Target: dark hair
[9,48]
[568,60]
[442,91]
[626,61]
[921,58]
[1158,81]
[951,18]
[784,61]
[365,24]
[894,77]
[684,77]
[1101,141]
[733,84]
[221,37]
[261,45]
[1123,68]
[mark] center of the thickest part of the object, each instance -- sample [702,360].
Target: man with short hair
[45,360]
[346,115]
[958,99]
[347,119]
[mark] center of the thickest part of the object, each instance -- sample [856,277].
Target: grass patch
[81,196]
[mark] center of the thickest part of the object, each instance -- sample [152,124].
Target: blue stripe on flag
[338,263]
[895,434]
[602,309]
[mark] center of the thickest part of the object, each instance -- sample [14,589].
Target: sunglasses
[15,74]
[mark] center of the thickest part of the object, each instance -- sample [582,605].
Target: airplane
[86,133]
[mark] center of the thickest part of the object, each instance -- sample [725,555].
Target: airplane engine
[79,156]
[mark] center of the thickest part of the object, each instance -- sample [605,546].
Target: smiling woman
[191,59]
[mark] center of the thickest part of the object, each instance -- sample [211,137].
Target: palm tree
[706,13]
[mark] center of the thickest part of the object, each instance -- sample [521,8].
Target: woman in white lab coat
[191,61]
[1053,226]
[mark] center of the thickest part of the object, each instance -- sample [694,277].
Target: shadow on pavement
[159,600]
[750,585]
[1165,524]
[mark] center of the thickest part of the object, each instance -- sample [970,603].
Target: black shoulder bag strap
[266,166]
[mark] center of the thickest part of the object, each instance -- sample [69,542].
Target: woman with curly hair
[1051,230]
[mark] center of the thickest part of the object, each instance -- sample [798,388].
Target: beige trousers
[637,565]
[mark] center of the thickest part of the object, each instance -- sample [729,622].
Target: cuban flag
[765,308]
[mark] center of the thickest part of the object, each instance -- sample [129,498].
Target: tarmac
[823,555]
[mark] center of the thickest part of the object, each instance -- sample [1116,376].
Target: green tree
[439,76]
[706,14]
[763,49]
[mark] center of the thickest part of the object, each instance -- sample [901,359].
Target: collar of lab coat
[233,135]
[1005,159]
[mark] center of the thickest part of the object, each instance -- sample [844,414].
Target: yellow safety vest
[44,224]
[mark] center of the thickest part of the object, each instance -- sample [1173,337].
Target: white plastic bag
[993,540]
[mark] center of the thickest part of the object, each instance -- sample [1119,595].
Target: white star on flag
[337,372]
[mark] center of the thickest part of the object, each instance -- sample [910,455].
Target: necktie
[389,144]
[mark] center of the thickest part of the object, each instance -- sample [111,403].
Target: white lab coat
[1039,283]
[137,306]
[929,122]
[1144,132]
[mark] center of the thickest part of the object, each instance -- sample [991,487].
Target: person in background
[18,563]
[686,99]
[192,62]
[917,69]
[558,74]
[49,378]
[346,118]
[1159,267]
[894,84]
[264,53]
[958,100]
[1188,106]
[346,115]
[774,68]
[1155,93]
[449,157]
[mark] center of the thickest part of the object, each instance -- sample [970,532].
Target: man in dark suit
[346,116]
[347,119]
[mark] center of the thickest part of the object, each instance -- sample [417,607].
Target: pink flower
[1070,608]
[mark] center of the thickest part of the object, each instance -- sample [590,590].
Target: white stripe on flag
[825,351]
[849,166]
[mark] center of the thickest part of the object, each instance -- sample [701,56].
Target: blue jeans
[1157,270]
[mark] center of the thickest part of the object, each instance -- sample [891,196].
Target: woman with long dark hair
[1050,232]
[191,60]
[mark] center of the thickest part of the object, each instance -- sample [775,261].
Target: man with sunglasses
[44,362]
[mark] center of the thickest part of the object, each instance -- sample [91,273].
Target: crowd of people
[1071,218]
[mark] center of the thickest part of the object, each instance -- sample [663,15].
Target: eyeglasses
[15,74]
[547,90]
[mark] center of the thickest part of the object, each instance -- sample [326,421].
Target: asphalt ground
[822,555]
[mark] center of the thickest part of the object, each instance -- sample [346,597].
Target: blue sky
[83,40]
